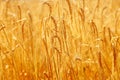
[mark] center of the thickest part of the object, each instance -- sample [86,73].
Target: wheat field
[59,39]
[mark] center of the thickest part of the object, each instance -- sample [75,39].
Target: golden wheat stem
[19,8]
[102,13]
[31,32]
[48,56]
[70,8]
[6,35]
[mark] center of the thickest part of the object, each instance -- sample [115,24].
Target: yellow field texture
[59,39]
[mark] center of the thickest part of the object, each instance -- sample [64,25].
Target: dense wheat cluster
[59,39]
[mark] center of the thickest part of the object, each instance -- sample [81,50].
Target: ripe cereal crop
[59,39]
